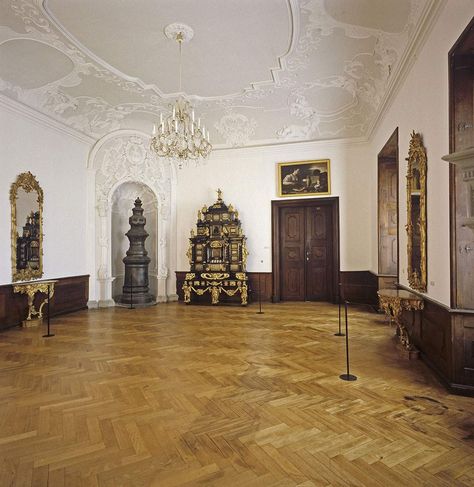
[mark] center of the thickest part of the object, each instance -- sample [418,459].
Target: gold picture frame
[27,184]
[416,214]
[304,178]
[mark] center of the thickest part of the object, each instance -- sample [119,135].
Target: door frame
[389,153]
[333,203]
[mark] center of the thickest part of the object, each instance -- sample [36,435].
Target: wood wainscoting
[359,287]
[70,294]
[445,338]
[265,282]
[362,286]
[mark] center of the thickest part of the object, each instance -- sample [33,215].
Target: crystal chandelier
[179,137]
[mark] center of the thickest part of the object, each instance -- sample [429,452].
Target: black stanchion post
[347,376]
[49,298]
[339,333]
[131,291]
[260,312]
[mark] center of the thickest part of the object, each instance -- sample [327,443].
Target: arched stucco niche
[122,204]
[123,157]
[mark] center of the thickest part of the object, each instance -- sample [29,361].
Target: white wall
[59,163]
[248,179]
[422,105]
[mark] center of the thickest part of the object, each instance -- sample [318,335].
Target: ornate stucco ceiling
[258,72]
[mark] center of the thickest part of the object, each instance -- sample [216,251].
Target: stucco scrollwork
[236,128]
[121,159]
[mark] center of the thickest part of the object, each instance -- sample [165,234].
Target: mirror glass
[26,198]
[416,214]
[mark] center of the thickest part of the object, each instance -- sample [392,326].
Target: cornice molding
[283,147]
[43,120]
[428,19]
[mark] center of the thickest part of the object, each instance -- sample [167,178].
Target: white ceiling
[257,71]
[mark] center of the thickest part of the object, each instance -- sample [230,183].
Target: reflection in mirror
[26,199]
[416,214]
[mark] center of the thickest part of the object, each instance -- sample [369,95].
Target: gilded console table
[393,302]
[31,288]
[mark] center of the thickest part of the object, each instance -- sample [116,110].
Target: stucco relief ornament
[135,151]
[129,158]
[102,272]
[90,115]
[163,272]
[236,128]
[300,108]
[102,207]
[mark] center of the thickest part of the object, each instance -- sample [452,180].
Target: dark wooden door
[319,258]
[306,253]
[292,248]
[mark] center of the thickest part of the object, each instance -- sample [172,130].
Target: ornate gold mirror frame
[416,214]
[32,231]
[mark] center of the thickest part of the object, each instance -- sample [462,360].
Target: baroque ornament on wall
[236,128]
[121,159]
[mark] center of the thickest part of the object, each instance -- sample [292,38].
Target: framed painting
[304,178]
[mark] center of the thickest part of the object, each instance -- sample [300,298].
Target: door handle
[307,255]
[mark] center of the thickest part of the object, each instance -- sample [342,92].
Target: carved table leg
[405,340]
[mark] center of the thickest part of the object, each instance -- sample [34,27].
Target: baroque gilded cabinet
[217,256]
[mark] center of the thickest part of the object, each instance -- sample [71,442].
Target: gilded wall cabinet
[416,214]
[26,201]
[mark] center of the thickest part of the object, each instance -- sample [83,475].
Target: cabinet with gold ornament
[217,256]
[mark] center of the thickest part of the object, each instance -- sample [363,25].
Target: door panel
[306,255]
[292,248]
[318,253]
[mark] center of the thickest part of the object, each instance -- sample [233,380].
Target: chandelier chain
[180,63]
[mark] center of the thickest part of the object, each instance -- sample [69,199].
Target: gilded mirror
[416,214]
[26,200]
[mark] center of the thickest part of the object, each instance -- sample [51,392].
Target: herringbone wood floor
[180,395]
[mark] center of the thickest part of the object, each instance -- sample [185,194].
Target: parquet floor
[179,395]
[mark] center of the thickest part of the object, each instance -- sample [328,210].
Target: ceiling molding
[292,6]
[428,19]
[336,81]
[43,120]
